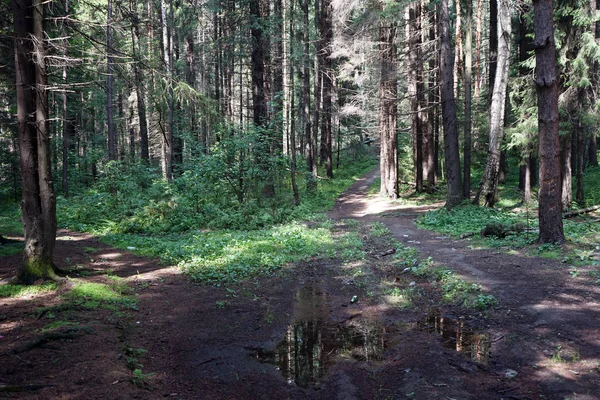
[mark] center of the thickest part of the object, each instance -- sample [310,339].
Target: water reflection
[312,342]
[457,336]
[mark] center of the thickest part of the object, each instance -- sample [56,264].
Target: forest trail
[320,329]
[545,311]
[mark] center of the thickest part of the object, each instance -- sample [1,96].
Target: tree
[488,188]
[546,79]
[452,157]
[110,85]
[38,202]
[388,109]
[468,99]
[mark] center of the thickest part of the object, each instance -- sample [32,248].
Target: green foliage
[221,191]
[8,290]
[10,219]
[468,218]
[378,229]
[229,256]
[94,295]
[10,249]
[454,289]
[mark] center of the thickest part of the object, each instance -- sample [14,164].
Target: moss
[36,269]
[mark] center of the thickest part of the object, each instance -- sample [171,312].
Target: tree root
[21,388]
[67,334]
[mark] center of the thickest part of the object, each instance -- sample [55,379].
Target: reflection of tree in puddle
[312,342]
[456,336]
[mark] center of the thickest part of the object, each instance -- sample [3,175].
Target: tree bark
[388,110]
[487,193]
[310,151]
[566,171]
[326,31]
[468,98]
[38,202]
[414,43]
[452,157]
[139,86]
[546,79]
[110,85]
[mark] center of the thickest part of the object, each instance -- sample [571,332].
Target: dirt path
[549,321]
[302,335]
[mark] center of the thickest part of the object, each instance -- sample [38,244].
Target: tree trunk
[546,79]
[487,193]
[317,86]
[566,171]
[478,47]
[167,142]
[430,138]
[326,30]
[414,43]
[292,147]
[139,86]
[111,133]
[579,195]
[493,46]
[452,157]
[38,202]
[388,110]
[311,162]
[278,73]
[468,98]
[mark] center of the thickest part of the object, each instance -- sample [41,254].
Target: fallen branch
[575,213]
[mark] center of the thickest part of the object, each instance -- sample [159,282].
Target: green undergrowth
[10,219]
[583,232]
[230,256]
[454,290]
[10,249]
[210,235]
[9,290]
[111,296]
[136,200]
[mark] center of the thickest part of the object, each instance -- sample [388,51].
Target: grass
[99,295]
[8,290]
[230,256]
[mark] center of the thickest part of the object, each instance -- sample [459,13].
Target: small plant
[557,356]
[221,304]
[269,317]
[141,379]
[378,229]
[484,302]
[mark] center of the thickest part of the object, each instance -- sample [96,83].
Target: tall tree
[468,97]
[415,79]
[139,82]
[38,202]
[546,79]
[110,85]
[310,145]
[488,188]
[326,31]
[452,156]
[388,109]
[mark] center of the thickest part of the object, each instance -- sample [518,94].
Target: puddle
[457,336]
[312,342]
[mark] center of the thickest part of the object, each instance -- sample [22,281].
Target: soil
[321,329]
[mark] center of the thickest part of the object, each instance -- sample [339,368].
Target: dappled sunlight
[110,256]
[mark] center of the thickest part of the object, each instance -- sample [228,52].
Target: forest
[219,146]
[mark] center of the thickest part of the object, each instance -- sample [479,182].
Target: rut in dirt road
[548,321]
